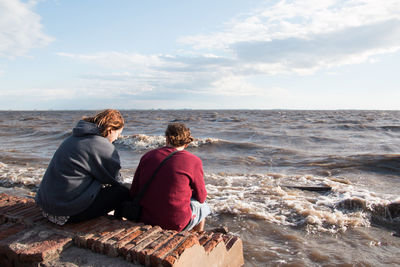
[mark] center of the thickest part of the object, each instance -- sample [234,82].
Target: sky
[224,54]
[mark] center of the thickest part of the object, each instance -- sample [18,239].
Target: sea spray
[261,196]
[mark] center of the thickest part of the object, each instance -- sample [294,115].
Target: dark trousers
[109,198]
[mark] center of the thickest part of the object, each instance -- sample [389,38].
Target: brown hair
[178,134]
[107,120]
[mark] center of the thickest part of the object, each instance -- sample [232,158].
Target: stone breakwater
[28,239]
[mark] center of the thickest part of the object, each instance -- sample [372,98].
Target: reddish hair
[107,120]
[178,134]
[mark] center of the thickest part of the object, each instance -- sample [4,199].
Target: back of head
[107,120]
[178,134]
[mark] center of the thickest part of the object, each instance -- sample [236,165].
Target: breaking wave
[140,142]
[274,198]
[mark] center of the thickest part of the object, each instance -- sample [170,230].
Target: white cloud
[298,19]
[114,59]
[20,29]
[234,86]
[300,36]
[43,94]
[303,36]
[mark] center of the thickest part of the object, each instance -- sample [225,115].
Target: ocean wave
[13,174]
[377,163]
[392,128]
[268,197]
[46,135]
[272,197]
[140,142]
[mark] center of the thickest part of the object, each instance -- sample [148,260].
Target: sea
[301,188]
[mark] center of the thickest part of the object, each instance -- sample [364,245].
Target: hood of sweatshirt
[85,128]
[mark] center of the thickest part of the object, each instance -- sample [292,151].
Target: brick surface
[171,258]
[231,242]
[99,244]
[121,245]
[34,245]
[159,240]
[7,230]
[85,238]
[27,237]
[99,233]
[131,249]
[111,245]
[28,209]
[11,207]
[205,237]
[157,257]
[213,242]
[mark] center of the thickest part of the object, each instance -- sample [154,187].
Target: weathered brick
[158,241]
[7,230]
[94,242]
[102,230]
[110,246]
[140,243]
[18,211]
[38,218]
[213,242]
[11,207]
[31,218]
[136,251]
[92,224]
[34,245]
[130,250]
[86,239]
[189,242]
[3,198]
[76,227]
[231,242]
[157,257]
[205,237]
[28,209]
[226,238]
[122,243]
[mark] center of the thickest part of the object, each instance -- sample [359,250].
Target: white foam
[261,196]
[145,142]
[142,141]
[16,174]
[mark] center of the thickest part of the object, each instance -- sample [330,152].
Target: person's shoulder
[100,140]
[153,152]
[189,155]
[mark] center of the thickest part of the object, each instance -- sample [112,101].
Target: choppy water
[250,158]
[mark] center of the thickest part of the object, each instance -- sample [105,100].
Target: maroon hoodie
[167,200]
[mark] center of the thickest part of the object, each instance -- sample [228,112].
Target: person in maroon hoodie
[176,198]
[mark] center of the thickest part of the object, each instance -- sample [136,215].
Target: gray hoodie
[79,167]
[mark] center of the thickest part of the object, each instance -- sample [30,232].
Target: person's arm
[105,164]
[199,191]
[135,182]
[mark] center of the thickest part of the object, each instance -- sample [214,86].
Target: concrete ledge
[26,239]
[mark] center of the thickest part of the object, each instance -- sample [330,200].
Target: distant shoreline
[189,109]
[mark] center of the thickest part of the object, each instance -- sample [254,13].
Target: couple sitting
[83,180]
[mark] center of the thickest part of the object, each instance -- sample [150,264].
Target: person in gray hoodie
[83,180]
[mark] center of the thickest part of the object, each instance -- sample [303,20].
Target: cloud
[349,46]
[113,59]
[300,37]
[40,93]
[306,35]
[239,86]
[159,73]
[20,29]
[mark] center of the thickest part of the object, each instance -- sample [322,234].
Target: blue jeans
[199,212]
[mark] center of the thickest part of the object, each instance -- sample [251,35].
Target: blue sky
[225,54]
